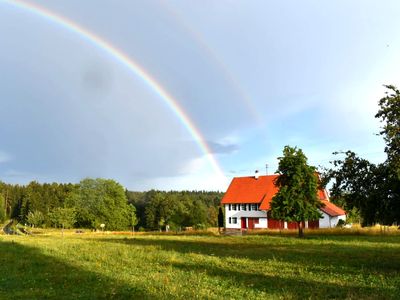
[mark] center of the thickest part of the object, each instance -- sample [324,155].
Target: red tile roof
[250,190]
[262,190]
[331,209]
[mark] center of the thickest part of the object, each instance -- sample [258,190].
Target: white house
[247,204]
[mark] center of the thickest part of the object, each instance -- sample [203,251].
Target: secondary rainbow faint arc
[196,36]
[131,65]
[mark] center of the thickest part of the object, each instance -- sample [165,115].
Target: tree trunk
[301,233]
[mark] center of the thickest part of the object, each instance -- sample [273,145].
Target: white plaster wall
[262,223]
[230,214]
[324,222]
[330,222]
[243,213]
[343,217]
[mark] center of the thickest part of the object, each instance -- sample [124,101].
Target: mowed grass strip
[203,267]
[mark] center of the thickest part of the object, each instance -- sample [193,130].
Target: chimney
[256,175]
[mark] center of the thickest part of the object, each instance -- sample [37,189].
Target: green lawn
[188,267]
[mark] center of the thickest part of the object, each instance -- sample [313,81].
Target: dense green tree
[35,218]
[198,214]
[139,200]
[63,217]
[100,201]
[180,209]
[389,114]
[296,200]
[133,220]
[212,216]
[373,190]
[220,218]
[2,209]
[14,195]
[180,213]
[362,186]
[159,210]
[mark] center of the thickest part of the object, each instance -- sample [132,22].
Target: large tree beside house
[373,189]
[389,114]
[296,200]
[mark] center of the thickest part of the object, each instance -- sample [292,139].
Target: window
[234,220]
[244,206]
[254,207]
[229,208]
[233,206]
[230,220]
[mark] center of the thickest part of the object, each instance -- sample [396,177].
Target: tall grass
[104,266]
[354,230]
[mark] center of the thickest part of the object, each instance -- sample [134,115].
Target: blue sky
[253,76]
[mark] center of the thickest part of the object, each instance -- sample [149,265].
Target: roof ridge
[259,176]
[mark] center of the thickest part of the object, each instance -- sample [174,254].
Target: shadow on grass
[350,261]
[26,273]
[370,238]
[281,287]
[370,259]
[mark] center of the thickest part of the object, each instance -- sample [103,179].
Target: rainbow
[212,55]
[129,63]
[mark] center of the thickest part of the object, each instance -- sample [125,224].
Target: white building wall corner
[330,222]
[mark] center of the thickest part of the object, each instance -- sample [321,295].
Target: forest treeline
[93,202]
[156,209]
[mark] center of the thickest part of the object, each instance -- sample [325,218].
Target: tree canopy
[389,114]
[100,201]
[2,209]
[63,217]
[373,189]
[296,200]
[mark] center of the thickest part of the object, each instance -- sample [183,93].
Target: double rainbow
[129,63]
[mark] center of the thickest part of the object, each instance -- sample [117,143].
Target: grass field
[93,266]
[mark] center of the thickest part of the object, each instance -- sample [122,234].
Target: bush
[35,219]
[341,223]
[200,227]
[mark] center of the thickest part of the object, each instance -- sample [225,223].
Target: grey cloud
[220,148]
